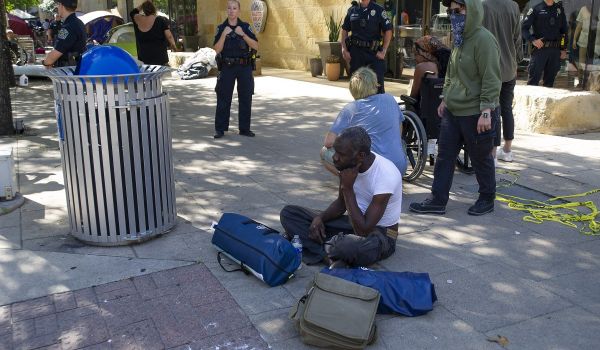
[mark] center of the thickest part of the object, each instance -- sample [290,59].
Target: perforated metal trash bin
[115,144]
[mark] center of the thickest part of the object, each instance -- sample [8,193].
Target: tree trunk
[7,77]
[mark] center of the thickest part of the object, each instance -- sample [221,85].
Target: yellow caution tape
[568,213]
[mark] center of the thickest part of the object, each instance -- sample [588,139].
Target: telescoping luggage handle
[260,225]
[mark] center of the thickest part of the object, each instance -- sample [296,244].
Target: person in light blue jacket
[378,114]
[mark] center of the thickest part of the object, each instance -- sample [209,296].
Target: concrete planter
[316,67]
[328,48]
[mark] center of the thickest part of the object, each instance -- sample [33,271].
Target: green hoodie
[473,77]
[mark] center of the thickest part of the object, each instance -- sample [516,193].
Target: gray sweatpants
[342,243]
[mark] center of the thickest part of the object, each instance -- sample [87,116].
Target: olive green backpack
[336,313]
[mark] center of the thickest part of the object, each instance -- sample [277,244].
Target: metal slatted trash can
[115,143]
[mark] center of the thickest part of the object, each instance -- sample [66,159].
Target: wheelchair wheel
[415,141]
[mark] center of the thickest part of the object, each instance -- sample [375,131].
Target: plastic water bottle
[23,80]
[298,246]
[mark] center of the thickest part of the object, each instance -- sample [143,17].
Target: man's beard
[345,166]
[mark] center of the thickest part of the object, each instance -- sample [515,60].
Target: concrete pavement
[535,284]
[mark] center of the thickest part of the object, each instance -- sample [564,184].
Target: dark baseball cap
[447,2]
[67,3]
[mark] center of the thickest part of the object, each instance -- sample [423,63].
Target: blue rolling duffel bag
[258,249]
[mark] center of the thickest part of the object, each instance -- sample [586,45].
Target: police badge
[373,12]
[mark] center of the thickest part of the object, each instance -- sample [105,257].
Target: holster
[219,60]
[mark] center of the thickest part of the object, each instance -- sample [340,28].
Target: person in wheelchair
[378,114]
[432,58]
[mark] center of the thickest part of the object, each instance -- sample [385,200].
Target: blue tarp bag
[405,293]
[258,249]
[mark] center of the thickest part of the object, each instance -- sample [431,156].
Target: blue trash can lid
[107,60]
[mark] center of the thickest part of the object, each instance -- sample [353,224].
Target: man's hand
[239,31]
[346,55]
[485,121]
[348,176]
[538,43]
[227,30]
[317,230]
[563,54]
[381,54]
[440,109]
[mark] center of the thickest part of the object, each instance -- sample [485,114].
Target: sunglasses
[455,11]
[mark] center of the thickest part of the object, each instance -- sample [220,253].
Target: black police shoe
[247,133]
[428,206]
[219,134]
[481,207]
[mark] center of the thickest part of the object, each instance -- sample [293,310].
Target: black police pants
[361,57]
[342,243]
[245,88]
[544,61]
[454,131]
[507,95]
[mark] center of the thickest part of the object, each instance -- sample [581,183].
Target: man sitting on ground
[370,191]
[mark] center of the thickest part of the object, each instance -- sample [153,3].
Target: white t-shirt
[584,18]
[381,177]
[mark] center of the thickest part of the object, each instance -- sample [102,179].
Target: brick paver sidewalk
[181,308]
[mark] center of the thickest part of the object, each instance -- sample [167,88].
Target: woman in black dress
[152,35]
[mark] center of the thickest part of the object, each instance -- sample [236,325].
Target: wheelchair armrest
[409,100]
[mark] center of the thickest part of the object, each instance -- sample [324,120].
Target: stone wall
[544,110]
[291,32]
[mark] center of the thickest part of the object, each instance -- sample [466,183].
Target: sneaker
[504,156]
[428,206]
[218,134]
[481,207]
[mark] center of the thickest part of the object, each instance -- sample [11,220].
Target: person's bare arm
[329,139]
[251,42]
[170,40]
[336,209]
[218,47]
[51,58]
[345,52]
[387,38]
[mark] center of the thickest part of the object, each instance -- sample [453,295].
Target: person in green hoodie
[468,109]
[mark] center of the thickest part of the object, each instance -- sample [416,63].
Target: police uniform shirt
[549,22]
[71,36]
[367,23]
[234,45]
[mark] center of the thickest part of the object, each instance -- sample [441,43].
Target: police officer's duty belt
[551,44]
[236,60]
[372,45]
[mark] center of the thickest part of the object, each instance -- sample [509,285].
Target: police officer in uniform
[369,23]
[70,39]
[548,39]
[235,44]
